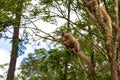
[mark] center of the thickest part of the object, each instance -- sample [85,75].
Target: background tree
[11,16]
[15,40]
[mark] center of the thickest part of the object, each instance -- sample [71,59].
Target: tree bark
[11,70]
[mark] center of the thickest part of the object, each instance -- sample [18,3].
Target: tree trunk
[13,59]
[113,63]
[114,70]
[11,70]
[114,57]
[14,54]
[15,42]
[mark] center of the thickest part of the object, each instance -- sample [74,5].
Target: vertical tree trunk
[15,42]
[113,63]
[13,59]
[14,52]
[114,57]
[114,69]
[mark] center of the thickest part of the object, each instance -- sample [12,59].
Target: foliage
[56,64]
[4,71]
[53,65]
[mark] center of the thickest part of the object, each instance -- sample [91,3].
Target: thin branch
[37,27]
[59,9]
[44,37]
[80,1]
[105,3]
[69,9]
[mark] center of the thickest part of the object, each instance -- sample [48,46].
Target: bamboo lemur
[70,41]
